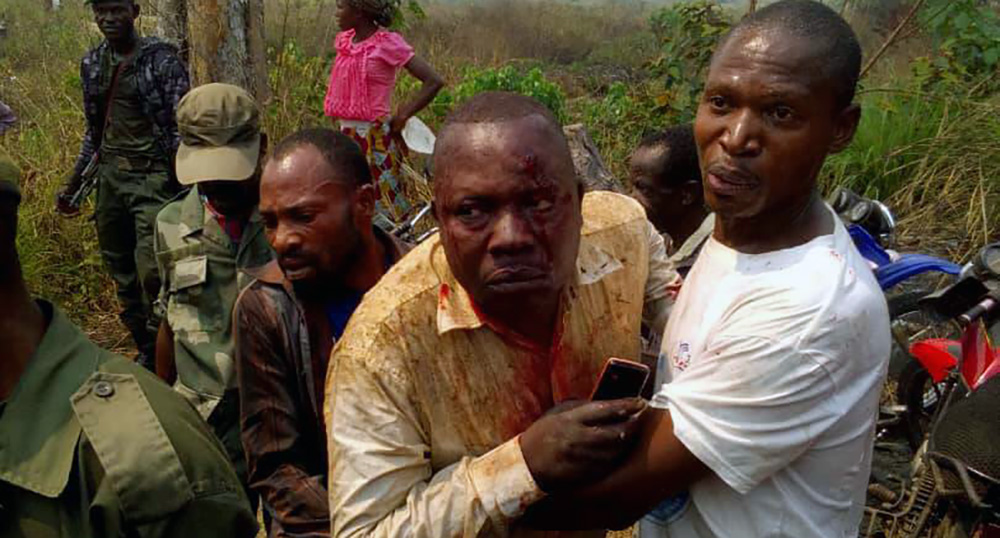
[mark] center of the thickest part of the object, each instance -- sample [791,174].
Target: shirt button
[103,389]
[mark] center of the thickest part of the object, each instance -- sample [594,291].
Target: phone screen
[621,379]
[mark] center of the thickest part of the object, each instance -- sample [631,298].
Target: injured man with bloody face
[453,396]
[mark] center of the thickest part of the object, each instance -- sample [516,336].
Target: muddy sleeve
[662,283]
[383,482]
[270,422]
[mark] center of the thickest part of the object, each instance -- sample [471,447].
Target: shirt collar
[685,254]
[456,311]
[192,218]
[195,218]
[38,430]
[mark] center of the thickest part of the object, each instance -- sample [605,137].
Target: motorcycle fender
[937,356]
[910,265]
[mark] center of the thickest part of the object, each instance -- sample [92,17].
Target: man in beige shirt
[444,395]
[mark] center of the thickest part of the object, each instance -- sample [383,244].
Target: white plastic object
[418,136]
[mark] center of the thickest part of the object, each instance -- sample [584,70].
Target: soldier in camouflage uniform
[203,241]
[131,87]
[91,445]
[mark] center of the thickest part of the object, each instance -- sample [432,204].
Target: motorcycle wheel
[917,391]
[908,323]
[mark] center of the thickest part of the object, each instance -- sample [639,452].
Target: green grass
[39,78]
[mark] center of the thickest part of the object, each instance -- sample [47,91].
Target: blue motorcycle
[872,227]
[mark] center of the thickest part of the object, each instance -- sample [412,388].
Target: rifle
[88,182]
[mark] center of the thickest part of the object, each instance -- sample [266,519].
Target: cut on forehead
[528,147]
[824,35]
[495,109]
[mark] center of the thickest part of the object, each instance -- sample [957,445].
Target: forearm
[657,468]
[663,283]
[432,84]
[465,498]
[298,502]
[428,91]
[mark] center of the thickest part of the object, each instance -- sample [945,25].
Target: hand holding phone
[620,379]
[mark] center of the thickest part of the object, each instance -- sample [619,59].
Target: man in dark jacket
[131,87]
[317,202]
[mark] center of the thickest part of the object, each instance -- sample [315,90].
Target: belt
[134,163]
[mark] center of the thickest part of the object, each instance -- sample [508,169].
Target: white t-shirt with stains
[771,369]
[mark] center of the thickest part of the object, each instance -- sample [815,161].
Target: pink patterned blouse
[364,75]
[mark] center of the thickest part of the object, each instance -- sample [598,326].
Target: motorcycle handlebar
[984,307]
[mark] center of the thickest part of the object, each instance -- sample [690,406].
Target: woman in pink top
[360,91]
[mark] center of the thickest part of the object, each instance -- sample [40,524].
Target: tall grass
[39,78]
[935,160]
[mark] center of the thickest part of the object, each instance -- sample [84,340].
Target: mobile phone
[620,379]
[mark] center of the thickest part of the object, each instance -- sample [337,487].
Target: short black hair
[340,151]
[681,163]
[499,107]
[821,25]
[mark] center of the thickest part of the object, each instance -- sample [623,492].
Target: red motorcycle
[954,485]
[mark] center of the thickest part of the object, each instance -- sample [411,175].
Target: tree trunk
[588,162]
[171,23]
[226,44]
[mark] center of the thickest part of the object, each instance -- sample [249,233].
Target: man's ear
[844,127]
[364,201]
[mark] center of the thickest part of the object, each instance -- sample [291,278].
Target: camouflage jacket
[200,274]
[162,80]
[96,447]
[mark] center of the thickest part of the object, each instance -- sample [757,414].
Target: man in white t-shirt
[774,357]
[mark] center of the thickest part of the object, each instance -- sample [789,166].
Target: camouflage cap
[10,178]
[219,125]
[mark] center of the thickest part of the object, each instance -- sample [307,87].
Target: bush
[688,33]
[966,36]
[619,120]
[507,79]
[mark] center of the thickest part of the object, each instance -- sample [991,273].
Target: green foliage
[508,79]
[688,33]
[298,84]
[619,120]
[407,11]
[966,38]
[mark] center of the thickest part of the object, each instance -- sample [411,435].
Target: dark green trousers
[130,194]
